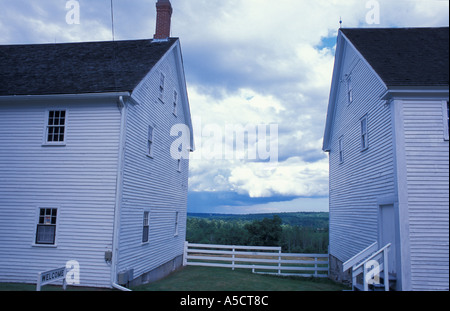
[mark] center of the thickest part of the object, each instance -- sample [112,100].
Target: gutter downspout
[116,229]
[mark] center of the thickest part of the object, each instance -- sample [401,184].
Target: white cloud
[292,177]
[246,62]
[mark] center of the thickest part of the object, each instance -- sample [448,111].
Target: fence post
[233,256]
[279,261]
[315,266]
[186,245]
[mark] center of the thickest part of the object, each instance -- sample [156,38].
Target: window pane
[145,234]
[45,234]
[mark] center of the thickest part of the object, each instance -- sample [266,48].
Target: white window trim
[162,86]
[445,116]
[46,143]
[36,223]
[179,165]
[148,225]
[350,98]
[341,150]
[175,103]
[364,148]
[177,223]
[150,141]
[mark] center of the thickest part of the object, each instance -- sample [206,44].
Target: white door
[387,234]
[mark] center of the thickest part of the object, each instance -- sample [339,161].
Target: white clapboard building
[86,169]
[388,143]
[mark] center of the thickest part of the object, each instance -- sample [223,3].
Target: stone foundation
[336,273]
[159,273]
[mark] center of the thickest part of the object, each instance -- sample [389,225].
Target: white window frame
[445,117]
[349,90]
[146,226]
[162,82]
[150,141]
[341,149]
[42,220]
[175,103]
[364,133]
[46,142]
[177,223]
[179,165]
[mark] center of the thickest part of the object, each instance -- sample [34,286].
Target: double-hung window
[349,90]
[364,134]
[175,103]
[146,227]
[56,127]
[162,81]
[177,220]
[150,141]
[341,149]
[46,227]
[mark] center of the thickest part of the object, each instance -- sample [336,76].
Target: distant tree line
[258,232]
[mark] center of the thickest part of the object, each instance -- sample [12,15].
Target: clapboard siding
[79,179]
[153,184]
[427,161]
[364,176]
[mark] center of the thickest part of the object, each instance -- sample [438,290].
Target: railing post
[366,285]
[386,269]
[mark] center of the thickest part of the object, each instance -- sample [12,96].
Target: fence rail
[260,259]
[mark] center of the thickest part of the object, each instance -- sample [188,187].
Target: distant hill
[314,220]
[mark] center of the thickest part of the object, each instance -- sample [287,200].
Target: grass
[210,279]
[21,287]
[223,279]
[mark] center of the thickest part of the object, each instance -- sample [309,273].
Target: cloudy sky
[247,63]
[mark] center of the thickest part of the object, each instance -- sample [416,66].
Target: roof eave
[10,98]
[416,92]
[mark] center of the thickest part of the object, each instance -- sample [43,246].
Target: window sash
[45,234]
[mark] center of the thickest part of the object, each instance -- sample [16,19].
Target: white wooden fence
[260,259]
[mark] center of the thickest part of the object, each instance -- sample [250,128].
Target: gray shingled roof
[405,56]
[76,68]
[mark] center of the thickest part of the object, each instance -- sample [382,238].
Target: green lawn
[223,279]
[211,279]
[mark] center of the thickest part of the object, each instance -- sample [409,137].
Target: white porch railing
[371,263]
[261,258]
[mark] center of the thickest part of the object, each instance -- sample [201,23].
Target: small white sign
[51,276]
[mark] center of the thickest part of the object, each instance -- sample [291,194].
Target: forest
[294,232]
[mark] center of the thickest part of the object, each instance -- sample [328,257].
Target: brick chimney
[163,17]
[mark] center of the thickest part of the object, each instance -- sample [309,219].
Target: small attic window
[349,89]
[162,80]
[175,103]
